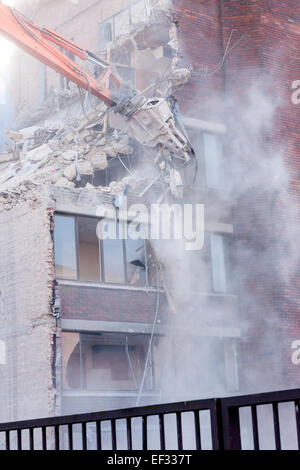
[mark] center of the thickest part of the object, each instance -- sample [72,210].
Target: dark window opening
[106,362]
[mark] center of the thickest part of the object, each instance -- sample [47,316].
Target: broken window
[136,261]
[88,249]
[65,247]
[106,362]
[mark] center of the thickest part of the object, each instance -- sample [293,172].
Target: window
[88,249]
[211,267]
[121,22]
[105,362]
[65,247]
[212,155]
[82,254]
[220,262]
[105,35]
[208,150]
[136,261]
[114,269]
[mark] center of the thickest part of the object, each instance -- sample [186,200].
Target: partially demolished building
[90,323]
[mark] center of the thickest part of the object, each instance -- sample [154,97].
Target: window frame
[121,342]
[201,158]
[101,280]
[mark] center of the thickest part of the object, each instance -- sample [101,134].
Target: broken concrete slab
[70,172]
[99,161]
[39,153]
[68,137]
[85,168]
[62,182]
[6,157]
[69,155]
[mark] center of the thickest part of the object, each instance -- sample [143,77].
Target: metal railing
[261,421]
[158,426]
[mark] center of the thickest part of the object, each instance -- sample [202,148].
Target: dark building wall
[201,44]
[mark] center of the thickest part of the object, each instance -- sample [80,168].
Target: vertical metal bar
[179,431]
[70,436]
[146,262]
[77,248]
[276,426]
[7,440]
[197,429]
[114,28]
[216,425]
[80,362]
[44,438]
[124,257]
[19,439]
[162,432]
[101,251]
[113,434]
[297,413]
[56,436]
[254,427]
[129,433]
[129,363]
[230,422]
[151,366]
[144,431]
[84,439]
[98,434]
[31,439]
[98,228]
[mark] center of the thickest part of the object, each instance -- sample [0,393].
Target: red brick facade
[268,32]
[105,304]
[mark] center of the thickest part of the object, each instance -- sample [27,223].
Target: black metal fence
[262,421]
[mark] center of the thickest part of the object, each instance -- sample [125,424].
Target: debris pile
[60,154]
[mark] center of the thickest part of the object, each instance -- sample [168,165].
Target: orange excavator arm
[42,44]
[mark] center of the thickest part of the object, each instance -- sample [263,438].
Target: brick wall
[201,45]
[266,54]
[263,218]
[119,305]
[26,326]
